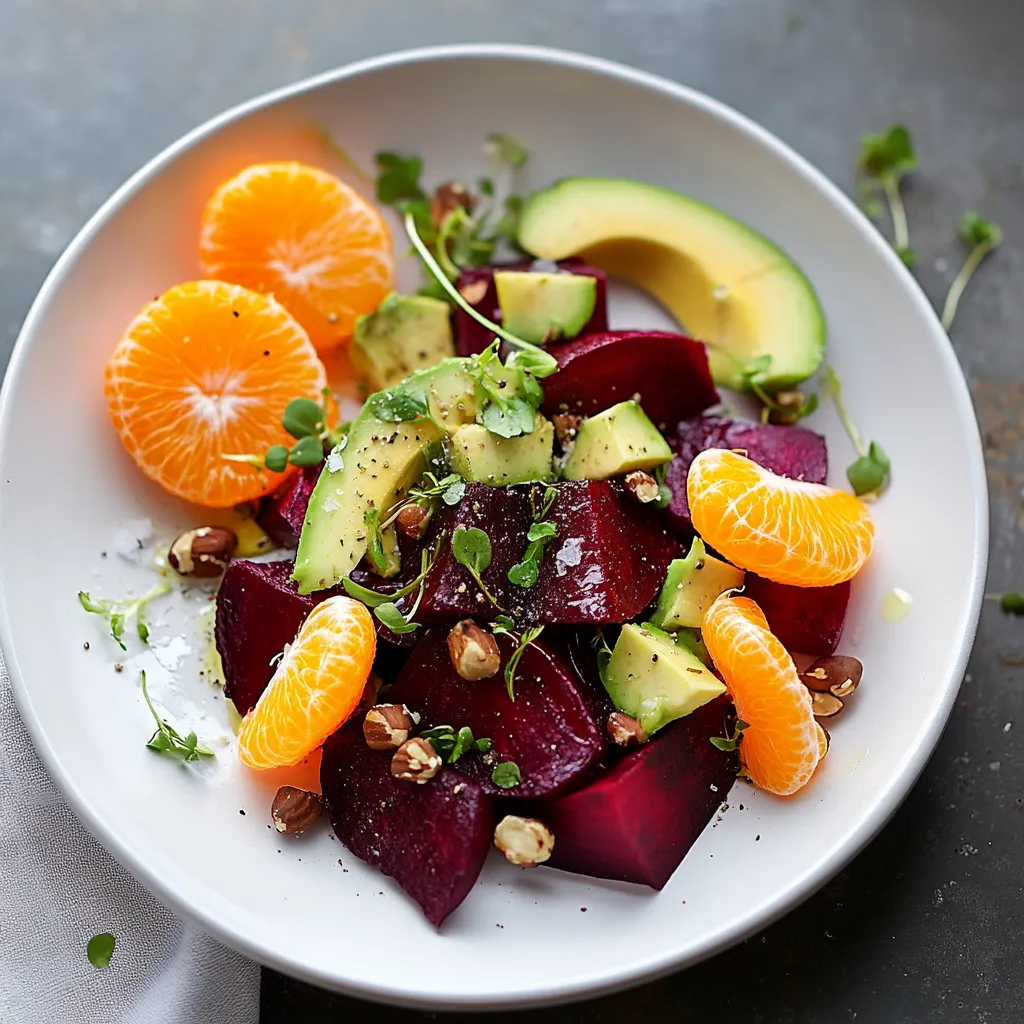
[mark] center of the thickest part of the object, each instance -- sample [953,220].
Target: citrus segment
[782,743]
[301,234]
[789,531]
[318,684]
[206,370]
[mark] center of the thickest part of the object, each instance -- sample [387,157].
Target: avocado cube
[616,441]
[541,307]
[479,456]
[691,586]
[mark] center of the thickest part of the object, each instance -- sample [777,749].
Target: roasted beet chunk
[431,839]
[477,285]
[668,372]
[805,619]
[283,513]
[605,565]
[549,730]
[789,451]
[638,819]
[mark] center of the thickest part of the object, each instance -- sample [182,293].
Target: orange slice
[807,535]
[782,743]
[318,684]
[206,371]
[298,232]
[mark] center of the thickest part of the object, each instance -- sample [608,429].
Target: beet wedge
[432,839]
[550,730]
[789,451]
[636,821]
[669,373]
[283,513]
[808,620]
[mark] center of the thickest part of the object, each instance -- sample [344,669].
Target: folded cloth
[59,888]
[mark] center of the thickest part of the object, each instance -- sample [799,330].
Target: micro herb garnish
[524,573]
[728,742]
[884,161]
[100,950]
[503,624]
[604,655]
[450,489]
[981,237]
[375,538]
[451,744]
[504,414]
[167,740]
[664,491]
[507,149]
[472,549]
[869,473]
[788,406]
[306,421]
[507,775]
[391,615]
[398,405]
[1011,602]
[117,612]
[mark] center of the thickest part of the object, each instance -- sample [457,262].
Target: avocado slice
[691,586]
[542,307]
[726,283]
[406,333]
[656,680]
[615,441]
[483,457]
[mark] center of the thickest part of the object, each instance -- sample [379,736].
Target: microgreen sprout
[541,533]
[728,742]
[981,237]
[117,612]
[306,421]
[507,775]
[472,549]
[100,950]
[1011,602]
[452,744]
[884,161]
[664,491]
[523,638]
[869,472]
[167,740]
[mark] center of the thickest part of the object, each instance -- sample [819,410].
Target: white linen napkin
[59,888]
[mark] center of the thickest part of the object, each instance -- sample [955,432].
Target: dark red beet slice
[788,451]
[636,821]
[606,564]
[806,619]
[283,513]
[668,371]
[548,730]
[432,839]
[471,337]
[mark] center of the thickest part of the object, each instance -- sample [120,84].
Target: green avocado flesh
[615,441]
[480,456]
[655,680]
[723,281]
[539,307]
[691,586]
[406,333]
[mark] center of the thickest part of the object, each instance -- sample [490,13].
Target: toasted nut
[204,551]
[787,408]
[295,810]
[624,731]
[474,651]
[837,670]
[642,486]
[412,521]
[447,199]
[824,705]
[567,426]
[415,761]
[387,726]
[525,842]
[474,292]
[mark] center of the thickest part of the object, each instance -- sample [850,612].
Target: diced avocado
[722,280]
[691,586]
[478,455]
[406,333]
[615,441]
[656,680]
[541,307]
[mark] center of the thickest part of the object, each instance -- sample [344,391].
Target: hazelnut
[386,726]
[824,705]
[525,842]
[474,651]
[295,810]
[412,521]
[624,731]
[474,291]
[837,673]
[415,761]
[203,552]
[566,425]
[642,486]
[447,199]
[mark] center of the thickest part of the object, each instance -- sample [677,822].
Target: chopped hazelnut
[386,726]
[566,426]
[824,705]
[474,651]
[295,810]
[447,199]
[625,731]
[415,761]
[642,486]
[412,521]
[525,842]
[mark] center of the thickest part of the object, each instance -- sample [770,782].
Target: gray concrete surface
[925,925]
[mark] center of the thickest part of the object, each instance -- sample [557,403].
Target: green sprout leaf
[303,418]
[664,491]
[981,237]
[483,745]
[398,178]
[730,742]
[452,744]
[472,549]
[513,420]
[307,451]
[868,473]
[392,617]
[507,775]
[374,538]
[525,572]
[167,740]
[885,160]
[117,612]
[523,640]
[1011,602]
[276,459]
[507,149]
[398,406]
[100,950]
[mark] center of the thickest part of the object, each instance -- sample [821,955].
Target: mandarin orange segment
[318,684]
[301,234]
[782,744]
[206,370]
[807,535]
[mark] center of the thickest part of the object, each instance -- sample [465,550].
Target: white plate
[520,937]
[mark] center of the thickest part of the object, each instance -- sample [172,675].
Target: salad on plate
[538,588]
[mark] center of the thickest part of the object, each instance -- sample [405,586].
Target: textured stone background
[924,926]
